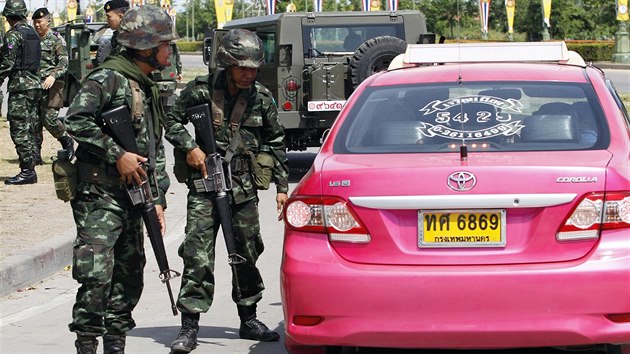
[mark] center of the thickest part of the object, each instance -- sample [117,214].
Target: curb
[31,265]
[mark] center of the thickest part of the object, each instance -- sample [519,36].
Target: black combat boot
[187,338]
[26,176]
[86,344]
[67,144]
[114,344]
[252,328]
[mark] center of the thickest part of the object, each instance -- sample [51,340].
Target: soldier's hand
[196,158]
[281,200]
[160,213]
[130,169]
[48,82]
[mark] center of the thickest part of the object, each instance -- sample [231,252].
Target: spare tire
[372,56]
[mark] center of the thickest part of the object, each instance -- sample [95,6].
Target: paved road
[35,321]
[620,78]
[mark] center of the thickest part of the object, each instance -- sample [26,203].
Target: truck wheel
[372,56]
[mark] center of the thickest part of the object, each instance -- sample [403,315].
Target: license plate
[461,228]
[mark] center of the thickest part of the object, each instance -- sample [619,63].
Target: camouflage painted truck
[315,60]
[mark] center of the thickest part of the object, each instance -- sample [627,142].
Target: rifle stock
[119,123]
[218,180]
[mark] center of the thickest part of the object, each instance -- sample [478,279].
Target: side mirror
[207,50]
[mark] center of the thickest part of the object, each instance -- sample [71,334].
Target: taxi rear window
[489,116]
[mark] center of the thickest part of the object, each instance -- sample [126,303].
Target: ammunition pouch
[262,169]
[181,170]
[65,176]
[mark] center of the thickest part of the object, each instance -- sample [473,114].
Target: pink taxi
[477,196]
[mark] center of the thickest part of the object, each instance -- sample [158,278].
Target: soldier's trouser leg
[249,245]
[197,251]
[108,262]
[47,118]
[22,115]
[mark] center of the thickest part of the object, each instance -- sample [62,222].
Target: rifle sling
[137,112]
[218,105]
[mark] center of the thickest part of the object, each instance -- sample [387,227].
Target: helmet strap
[151,59]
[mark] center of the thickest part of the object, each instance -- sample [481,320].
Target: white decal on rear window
[471,117]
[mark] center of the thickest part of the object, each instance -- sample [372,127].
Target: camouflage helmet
[240,47]
[15,8]
[145,27]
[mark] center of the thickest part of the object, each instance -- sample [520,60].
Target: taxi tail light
[328,215]
[595,212]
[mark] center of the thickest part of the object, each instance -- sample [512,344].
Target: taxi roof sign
[490,52]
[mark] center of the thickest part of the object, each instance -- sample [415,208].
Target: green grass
[625,97]
[190,74]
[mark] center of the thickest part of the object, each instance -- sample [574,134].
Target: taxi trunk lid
[528,194]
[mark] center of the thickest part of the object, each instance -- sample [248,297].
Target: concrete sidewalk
[31,265]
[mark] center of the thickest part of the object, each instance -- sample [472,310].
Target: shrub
[187,46]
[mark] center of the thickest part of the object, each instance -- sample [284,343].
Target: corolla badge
[461,181]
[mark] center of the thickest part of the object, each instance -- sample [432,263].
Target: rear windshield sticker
[484,116]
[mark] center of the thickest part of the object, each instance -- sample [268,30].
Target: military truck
[81,44]
[315,60]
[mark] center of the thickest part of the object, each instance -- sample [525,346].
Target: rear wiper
[463,152]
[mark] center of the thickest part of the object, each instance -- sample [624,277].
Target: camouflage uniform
[108,252]
[24,90]
[54,62]
[259,128]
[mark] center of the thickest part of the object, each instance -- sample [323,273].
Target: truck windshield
[345,38]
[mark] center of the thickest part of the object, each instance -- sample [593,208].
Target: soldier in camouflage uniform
[54,63]
[108,256]
[20,62]
[241,54]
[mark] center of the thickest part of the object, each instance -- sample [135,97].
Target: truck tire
[372,56]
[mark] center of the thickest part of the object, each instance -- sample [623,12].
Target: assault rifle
[219,180]
[119,123]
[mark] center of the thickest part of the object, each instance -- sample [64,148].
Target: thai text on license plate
[461,228]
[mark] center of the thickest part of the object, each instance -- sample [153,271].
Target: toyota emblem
[461,181]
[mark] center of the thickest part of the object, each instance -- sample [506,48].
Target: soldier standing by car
[54,63]
[108,257]
[20,61]
[259,132]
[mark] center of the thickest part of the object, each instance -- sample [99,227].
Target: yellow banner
[622,10]
[510,7]
[229,5]
[72,10]
[219,7]
[375,5]
[546,12]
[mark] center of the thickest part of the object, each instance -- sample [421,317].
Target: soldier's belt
[97,174]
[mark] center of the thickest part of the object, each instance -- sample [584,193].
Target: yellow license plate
[461,228]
